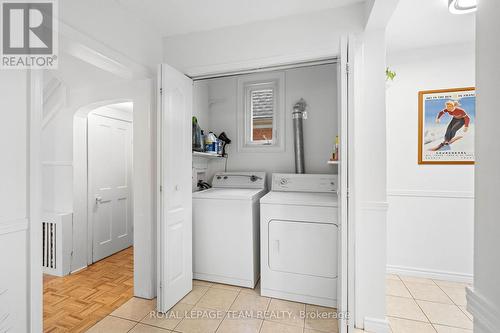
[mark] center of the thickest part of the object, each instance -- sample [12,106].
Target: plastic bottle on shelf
[337,148]
[220,146]
[211,143]
[197,136]
[335,155]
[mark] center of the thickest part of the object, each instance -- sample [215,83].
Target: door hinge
[161,91]
[347,68]
[161,188]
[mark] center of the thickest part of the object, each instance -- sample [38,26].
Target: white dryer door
[303,248]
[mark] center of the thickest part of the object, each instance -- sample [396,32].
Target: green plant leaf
[389,75]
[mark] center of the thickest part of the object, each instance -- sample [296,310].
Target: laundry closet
[264,150]
[279,132]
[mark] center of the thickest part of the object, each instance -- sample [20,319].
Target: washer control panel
[286,182]
[240,180]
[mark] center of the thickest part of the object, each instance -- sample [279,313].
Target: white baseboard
[78,269]
[375,325]
[486,315]
[430,274]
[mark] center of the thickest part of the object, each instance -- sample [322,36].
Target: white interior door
[343,185]
[175,270]
[109,171]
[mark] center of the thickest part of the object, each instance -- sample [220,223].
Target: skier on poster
[459,119]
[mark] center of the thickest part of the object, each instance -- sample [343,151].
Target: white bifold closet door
[175,235]
[109,172]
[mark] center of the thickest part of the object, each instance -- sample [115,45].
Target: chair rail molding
[486,315]
[382,206]
[57,163]
[10,226]
[430,194]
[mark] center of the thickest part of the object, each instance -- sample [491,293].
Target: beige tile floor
[414,305]
[212,307]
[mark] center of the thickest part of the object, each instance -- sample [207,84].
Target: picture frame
[446,121]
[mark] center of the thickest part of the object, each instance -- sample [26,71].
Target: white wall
[317,85]
[201,104]
[115,27]
[57,159]
[430,217]
[257,44]
[14,205]
[484,302]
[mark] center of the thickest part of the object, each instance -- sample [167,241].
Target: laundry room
[265,182]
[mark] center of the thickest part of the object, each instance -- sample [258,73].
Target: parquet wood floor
[76,302]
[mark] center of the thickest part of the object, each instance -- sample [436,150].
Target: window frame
[248,84]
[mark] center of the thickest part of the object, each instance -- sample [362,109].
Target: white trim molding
[430,274]
[54,110]
[486,315]
[376,325]
[374,205]
[7,227]
[92,51]
[431,194]
[256,64]
[34,190]
[57,163]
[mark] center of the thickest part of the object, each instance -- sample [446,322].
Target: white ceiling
[172,17]
[425,23]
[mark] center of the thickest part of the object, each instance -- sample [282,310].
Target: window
[261,114]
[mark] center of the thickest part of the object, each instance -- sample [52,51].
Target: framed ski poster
[446,121]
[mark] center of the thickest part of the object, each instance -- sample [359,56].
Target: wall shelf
[333,162]
[206,155]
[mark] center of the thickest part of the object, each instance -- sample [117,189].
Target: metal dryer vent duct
[298,115]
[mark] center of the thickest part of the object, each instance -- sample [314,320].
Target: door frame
[35,275]
[283,62]
[80,169]
[102,57]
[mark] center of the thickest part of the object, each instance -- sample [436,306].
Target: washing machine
[299,239]
[226,223]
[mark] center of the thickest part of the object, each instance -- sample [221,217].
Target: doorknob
[98,200]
